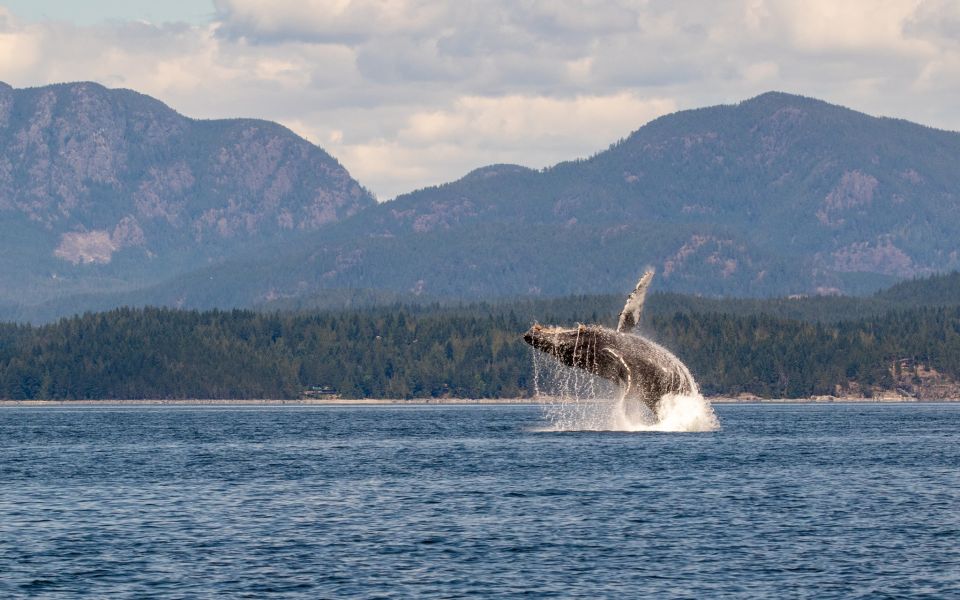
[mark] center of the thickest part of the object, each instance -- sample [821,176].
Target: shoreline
[431,401]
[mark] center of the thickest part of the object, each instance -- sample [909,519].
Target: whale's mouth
[572,346]
[548,338]
[550,331]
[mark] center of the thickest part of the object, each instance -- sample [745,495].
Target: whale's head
[573,346]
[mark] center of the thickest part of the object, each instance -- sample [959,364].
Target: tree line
[432,351]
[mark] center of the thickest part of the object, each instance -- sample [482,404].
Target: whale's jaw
[571,346]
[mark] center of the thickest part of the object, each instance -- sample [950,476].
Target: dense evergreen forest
[731,346]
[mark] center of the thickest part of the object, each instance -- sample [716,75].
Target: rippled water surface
[811,501]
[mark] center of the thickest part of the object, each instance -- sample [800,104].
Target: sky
[410,93]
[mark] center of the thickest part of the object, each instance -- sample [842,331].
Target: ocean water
[783,501]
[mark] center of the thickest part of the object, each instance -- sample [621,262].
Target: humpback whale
[643,370]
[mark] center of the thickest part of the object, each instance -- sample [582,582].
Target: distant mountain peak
[778,194]
[775,96]
[100,175]
[496,171]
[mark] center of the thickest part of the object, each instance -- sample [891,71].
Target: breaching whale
[644,370]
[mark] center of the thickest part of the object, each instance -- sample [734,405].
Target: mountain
[777,195]
[106,191]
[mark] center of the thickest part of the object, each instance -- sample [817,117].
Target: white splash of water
[574,400]
[680,412]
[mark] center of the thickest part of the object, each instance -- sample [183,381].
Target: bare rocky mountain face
[109,190]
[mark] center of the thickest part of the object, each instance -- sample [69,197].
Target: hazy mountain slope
[109,190]
[777,195]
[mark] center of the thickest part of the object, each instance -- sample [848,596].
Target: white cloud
[827,25]
[19,45]
[408,93]
[518,119]
[939,19]
[535,131]
[329,20]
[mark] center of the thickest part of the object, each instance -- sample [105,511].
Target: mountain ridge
[779,194]
[111,188]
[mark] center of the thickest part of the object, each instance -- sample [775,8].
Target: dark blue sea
[784,501]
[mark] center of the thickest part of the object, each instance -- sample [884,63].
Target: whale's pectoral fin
[622,370]
[630,315]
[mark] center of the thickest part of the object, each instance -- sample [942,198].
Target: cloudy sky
[409,93]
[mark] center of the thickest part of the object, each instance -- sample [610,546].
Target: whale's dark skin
[643,369]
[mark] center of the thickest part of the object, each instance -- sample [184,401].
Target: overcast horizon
[409,94]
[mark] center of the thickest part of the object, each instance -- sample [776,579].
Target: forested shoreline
[472,351]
